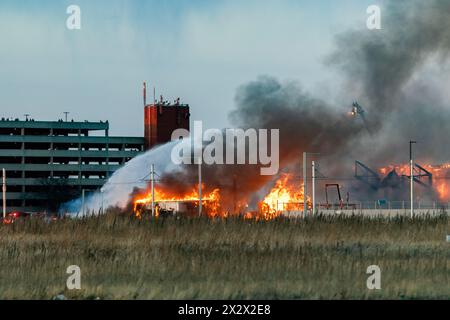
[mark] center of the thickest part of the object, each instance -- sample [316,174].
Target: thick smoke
[380,63]
[385,70]
[305,123]
[388,71]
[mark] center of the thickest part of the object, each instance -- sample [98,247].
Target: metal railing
[394,205]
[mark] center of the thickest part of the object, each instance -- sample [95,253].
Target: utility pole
[152,182]
[411,173]
[200,187]
[101,192]
[305,182]
[83,201]
[305,185]
[144,92]
[4,193]
[234,194]
[313,186]
[65,114]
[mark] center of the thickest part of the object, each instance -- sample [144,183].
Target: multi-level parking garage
[48,162]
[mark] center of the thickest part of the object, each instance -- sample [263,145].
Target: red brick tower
[161,119]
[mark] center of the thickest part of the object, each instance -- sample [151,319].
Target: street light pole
[313,186]
[152,180]
[411,174]
[200,207]
[101,192]
[305,182]
[83,201]
[4,193]
[305,186]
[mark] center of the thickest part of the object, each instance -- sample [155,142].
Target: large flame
[210,200]
[439,172]
[284,196]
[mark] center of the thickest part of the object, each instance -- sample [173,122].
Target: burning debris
[436,177]
[284,196]
[168,202]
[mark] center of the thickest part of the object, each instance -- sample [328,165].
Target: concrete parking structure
[44,159]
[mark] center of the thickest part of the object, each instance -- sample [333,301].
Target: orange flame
[443,191]
[440,182]
[210,201]
[283,196]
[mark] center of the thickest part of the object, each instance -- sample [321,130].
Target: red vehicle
[16,215]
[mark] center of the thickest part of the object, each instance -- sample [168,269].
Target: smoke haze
[388,71]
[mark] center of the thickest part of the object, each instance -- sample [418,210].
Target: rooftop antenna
[65,114]
[154,95]
[26,116]
[144,92]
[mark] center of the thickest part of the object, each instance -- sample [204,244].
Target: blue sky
[198,50]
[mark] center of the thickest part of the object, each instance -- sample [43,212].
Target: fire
[286,195]
[443,190]
[439,172]
[402,169]
[283,196]
[210,201]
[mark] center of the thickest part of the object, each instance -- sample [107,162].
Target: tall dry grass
[193,258]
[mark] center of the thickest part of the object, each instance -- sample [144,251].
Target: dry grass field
[181,258]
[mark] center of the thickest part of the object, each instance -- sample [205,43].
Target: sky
[198,50]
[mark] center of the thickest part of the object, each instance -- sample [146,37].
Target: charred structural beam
[421,174]
[366,175]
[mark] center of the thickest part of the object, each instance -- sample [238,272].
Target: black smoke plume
[387,71]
